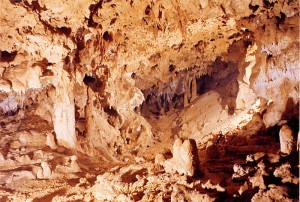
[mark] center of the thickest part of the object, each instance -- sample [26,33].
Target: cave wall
[48,48]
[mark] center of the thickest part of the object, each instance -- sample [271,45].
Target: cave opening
[186,87]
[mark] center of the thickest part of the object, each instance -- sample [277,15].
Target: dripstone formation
[162,100]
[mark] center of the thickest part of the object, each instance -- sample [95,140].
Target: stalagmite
[64,113]
[185,158]
[286,140]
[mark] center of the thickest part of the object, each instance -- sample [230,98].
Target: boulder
[185,158]
[286,140]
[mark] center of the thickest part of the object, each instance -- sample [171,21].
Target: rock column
[64,114]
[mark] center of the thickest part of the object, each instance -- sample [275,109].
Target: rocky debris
[185,158]
[43,171]
[209,185]
[273,158]
[70,165]
[286,140]
[240,173]
[255,157]
[257,180]
[50,141]
[32,138]
[284,172]
[139,183]
[275,193]
[243,188]
[13,176]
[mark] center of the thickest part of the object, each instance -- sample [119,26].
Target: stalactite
[194,89]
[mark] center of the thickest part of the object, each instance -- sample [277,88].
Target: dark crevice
[6,56]
[64,30]
[268,4]
[280,20]
[107,36]
[147,10]
[172,68]
[113,21]
[36,6]
[94,10]
[92,82]
[253,8]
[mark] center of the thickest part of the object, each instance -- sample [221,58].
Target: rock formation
[149,100]
[185,158]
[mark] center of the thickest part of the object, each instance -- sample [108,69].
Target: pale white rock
[23,175]
[284,172]
[286,140]
[74,167]
[46,170]
[184,160]
[209,185]
[5,178]
[39,154]
[64,113]
[239,172]
[257,180]
[38,172]
[255,157]
[159,159]
[24,159]
[50,141]
[275,193]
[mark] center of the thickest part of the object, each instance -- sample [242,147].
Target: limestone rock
[50,141]
[22,175]
[185,158]
[46,170]
[286,140]
[243,188]
[275,193]
[209,185]
[257,180]
[159,159]
[240,173]
[284,172]
[24,159]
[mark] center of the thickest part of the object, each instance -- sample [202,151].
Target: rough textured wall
[78,60]
[143,100]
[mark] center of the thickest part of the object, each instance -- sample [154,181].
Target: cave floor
[31,171]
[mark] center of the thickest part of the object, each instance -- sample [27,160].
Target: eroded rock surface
[96,98]
[185,158]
